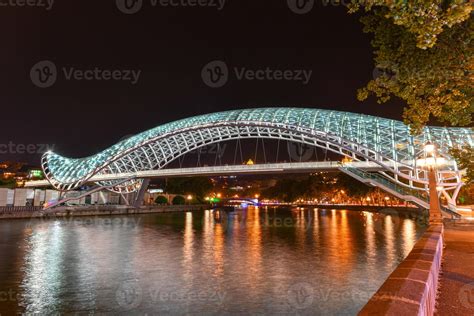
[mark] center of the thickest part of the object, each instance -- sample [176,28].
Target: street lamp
[430,163]
[430,148]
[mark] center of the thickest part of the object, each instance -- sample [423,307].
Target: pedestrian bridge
[399,156]
[271,168]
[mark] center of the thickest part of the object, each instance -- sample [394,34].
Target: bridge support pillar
[141,193]
[435,205]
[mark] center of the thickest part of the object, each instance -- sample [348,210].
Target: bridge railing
[224,169]
[382,180]
[19,209]
[421,198]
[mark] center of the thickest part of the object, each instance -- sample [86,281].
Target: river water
[254,261]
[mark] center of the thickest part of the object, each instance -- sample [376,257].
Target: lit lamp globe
[431,161]
[430,148]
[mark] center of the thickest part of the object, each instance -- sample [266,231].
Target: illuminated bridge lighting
[356,136]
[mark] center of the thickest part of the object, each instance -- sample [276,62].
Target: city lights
[198,157]
[429,148]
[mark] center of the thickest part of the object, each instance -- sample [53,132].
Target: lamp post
[430,163]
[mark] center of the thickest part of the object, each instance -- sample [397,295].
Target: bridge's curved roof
[389,137]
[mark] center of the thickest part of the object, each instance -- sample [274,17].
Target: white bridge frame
[385,142]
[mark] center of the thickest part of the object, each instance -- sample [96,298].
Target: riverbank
[435,278]
[456,287]
[363,207]
[390,210]
[100,210]
[110,210]
[411,288]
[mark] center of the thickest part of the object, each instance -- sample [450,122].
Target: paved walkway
[456,287]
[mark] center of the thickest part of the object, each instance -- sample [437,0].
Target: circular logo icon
[225,219]
[301,295]
[129,6]
[301,6]
[44,74]
[215,74]
[384,73]
[300,152]
[380,73]
[129,295]
[466,295]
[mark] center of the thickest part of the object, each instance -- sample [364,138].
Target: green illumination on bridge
[361,137]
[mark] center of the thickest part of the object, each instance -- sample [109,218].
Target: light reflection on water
[43,266]
[251,261]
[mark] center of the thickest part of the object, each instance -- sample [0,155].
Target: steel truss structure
[358,136]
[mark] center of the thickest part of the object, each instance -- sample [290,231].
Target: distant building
[15,174]
[250,162]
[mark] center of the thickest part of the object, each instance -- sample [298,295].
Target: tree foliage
[434,82]
[323,186]
[287,190]
[425,20]
[179,200]
[197,186]
[7,183]
[353,187]
[465,159]
[466,195]
[161,199]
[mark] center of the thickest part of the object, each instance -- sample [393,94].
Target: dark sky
[170,46]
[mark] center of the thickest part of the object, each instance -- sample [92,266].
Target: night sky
[170,46]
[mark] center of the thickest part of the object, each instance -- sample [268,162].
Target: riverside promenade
[436,278]
[97,210]
[456,283]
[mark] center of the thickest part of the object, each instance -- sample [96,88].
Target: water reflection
[188,245]
[389,237]
[218,250]
[370,239]
[43,266]
[409,235]
[253,259]
[210,262]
